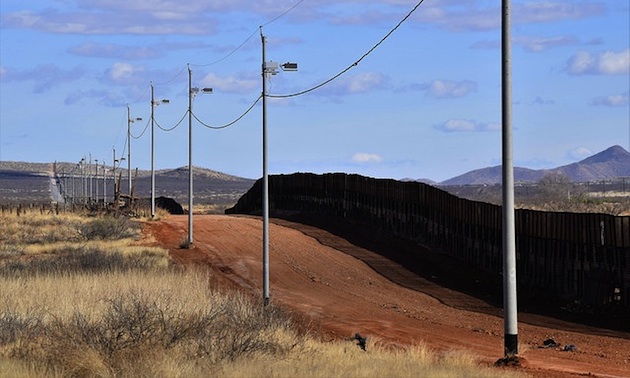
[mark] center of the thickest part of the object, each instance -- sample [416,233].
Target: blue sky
[426,103]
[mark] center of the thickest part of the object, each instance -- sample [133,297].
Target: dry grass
[122,310]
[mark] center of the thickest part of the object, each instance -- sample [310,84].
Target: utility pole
[191,95]
[89,176]
[153,105]
[96,181]
[190,167]
[265,183]
[114,172]
[510,323]
[129,122]
[104,184]
[268,69]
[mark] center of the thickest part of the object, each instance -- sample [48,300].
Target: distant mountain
[610,163]
[23,182]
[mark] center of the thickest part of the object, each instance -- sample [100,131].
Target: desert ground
[339,287]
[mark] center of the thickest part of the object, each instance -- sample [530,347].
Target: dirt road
[343,289]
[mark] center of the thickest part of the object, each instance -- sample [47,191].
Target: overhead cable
[231,123]
[356,62]
[174,127]
[248,38]
[143,131]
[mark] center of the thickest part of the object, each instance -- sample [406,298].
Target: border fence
[574,256]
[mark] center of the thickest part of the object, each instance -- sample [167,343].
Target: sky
[425,102]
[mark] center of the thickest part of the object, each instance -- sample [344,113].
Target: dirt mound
[345,289]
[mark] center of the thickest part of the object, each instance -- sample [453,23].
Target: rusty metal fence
[575,256]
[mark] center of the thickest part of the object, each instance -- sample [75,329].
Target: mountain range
[611,163]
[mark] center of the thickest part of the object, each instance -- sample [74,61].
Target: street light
[119,161]
[153,105]
[268,69]
[129,122]
[192,92]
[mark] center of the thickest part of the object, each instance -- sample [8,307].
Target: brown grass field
[99,296]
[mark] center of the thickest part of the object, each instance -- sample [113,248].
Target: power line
[228,54]
[231,123]
[248,38]
[356,63]
[174,127]
[142,133]
[283,14]
[178,74]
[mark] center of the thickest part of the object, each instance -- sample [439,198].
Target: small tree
[555,187]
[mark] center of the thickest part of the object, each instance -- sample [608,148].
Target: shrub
[108,228]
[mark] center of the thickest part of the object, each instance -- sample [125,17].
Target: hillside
[22,182]
[609,164]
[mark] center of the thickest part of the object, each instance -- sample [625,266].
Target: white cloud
[470,16]
[230,84]
[355,84]
[605,63]
[613,100]
[464,125]
[538,44]
[550,11]
[45,76]
[541,101]
[579,153]
[451,89]
[115,51]
[364,158]
[121,71]
[126,74]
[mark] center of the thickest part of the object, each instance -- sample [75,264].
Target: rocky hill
[609,164]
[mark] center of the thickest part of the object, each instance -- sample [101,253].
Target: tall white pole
[265,182]
[509,244]
[129,150]
[96,181]
[190,166]
[104,184]
[152,153]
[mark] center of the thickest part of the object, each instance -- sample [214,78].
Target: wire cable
[231,123]
[174,127]
[178,74]
[283,14]
[356,63]
[248,38]
[143,131]
[228,54]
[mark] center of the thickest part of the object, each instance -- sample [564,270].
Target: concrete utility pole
[153,105]
[129,122]
[191,95]
[510,323]
[265,183]
[268,69]
[190,167]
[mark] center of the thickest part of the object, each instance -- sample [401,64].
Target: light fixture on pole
[116,184]
[268,69]
[129,122]
[154,103]
[192,92]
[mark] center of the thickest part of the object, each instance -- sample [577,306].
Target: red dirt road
[344,289]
